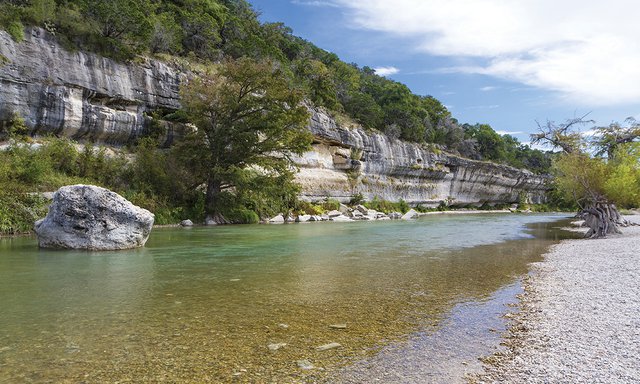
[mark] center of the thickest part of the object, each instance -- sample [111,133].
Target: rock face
[82,95]
[345,162]
[93,218]
[87,97]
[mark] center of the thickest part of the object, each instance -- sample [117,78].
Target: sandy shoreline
[579,318]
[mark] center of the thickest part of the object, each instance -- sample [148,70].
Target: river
[415,301]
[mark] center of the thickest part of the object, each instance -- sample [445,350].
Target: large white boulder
[93,218]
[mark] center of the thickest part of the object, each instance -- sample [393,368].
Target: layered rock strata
[346,162]
[88,97]
[82,95]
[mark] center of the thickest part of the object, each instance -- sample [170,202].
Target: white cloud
[588,51]
[386,71]
[488,88]
[512,133]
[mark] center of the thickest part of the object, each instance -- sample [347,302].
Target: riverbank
[578,317]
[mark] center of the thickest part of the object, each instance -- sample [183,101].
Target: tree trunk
[212,199]
[602,219]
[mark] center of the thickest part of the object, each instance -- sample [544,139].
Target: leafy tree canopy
[249,122]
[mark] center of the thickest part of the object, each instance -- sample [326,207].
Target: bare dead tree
[609,138]
[599,213]
[563,136]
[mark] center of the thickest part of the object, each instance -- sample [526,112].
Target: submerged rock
[93,218]
[275,346]
[329,346]
[304,364]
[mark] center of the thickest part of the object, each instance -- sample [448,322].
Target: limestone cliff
[88,97]
[81,95]
[345,162]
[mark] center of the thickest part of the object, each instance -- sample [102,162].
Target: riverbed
[416,301]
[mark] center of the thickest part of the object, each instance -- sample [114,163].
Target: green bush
[242,216]
[16,30]
[14,128]
[387,206]
[304,207]
[356,199]
[19,211]
[331,205]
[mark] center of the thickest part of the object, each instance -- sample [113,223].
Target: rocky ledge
[346,162]
[82,95]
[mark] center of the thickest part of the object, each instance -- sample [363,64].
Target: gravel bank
[580,316]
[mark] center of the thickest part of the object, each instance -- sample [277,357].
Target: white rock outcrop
[93,218]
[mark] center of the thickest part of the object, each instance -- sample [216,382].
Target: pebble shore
[579,317]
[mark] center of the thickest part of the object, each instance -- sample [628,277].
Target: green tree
[248,117]
[119,18]
[318,82]
[596,184]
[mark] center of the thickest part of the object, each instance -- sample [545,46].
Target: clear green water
[203,304]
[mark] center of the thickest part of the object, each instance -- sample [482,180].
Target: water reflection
[204,304]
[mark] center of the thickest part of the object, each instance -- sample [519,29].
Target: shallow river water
[415,301]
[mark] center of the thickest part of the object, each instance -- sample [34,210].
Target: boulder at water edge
[93,218]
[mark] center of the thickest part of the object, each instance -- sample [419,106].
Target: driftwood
[602,219]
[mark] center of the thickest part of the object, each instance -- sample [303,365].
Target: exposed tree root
[602,219]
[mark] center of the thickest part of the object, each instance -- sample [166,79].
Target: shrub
[242,216]
[331,205]
[16,30]
[15,127]
[304,207]
[356,199]
[387,206]
[19,210]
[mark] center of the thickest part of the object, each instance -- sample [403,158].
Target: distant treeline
[207,31]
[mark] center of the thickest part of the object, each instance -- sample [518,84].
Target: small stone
[304,364]
[326,347]
[338,326]
[276,346]
[283,326]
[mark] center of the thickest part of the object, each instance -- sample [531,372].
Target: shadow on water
[204,304]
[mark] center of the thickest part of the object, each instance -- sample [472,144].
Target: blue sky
[507,64]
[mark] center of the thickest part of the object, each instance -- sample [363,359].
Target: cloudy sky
[506,63]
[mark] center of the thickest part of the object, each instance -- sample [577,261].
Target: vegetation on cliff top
[209,31]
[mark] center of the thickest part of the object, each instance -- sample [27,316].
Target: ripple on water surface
[254,303]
